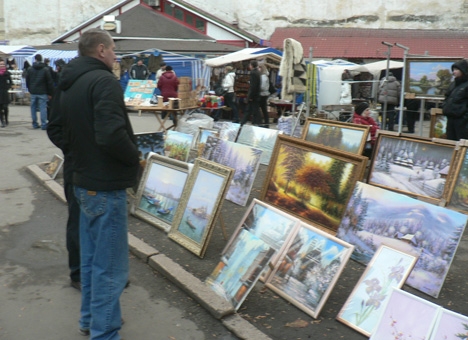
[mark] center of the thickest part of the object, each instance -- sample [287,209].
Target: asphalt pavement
[167,298]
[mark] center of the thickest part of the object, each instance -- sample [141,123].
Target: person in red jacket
[362,116]
[168,84]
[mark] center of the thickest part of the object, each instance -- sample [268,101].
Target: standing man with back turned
[98,133]
[253,96]
[41,88]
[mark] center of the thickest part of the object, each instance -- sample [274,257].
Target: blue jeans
[104,260]
[39,103]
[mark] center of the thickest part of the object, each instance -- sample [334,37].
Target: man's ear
[100,50]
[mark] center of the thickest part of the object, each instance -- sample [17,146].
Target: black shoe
[84,332]
[76,285]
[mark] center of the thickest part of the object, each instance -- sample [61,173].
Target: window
[189,19]
[200,25]
[179,14]
[169,10]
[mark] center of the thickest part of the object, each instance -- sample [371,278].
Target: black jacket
[89,122]
[456,97]
[5,85]
[255,82]
[39,80]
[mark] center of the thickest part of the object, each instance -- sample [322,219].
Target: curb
[191,285]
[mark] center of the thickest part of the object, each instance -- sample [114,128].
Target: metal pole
[402,92]
[384,112]
[308,88]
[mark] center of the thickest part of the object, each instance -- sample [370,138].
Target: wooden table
[158,113]
[281,106]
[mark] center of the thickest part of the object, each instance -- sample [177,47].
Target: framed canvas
[272,225]
[412,166]
[458,192]
[245,161]
[335,134]
[240,267]
[54,166]
[203,134]
[428,77]
[260,138]
[438,124]
[450,326]
[150,142]
[308,268]
[311,181]
[227,130]
[200,205]
[177,145]
[388,268]
[406,316]
[160,190]
[376,216]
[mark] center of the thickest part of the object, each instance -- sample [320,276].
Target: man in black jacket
[41,88]
[89,123]
[139,71]
[253,96]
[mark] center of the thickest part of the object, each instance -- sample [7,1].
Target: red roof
[361,43]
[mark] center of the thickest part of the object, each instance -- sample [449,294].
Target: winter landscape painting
[411,166]
[240,267]
[311,181]
[160,190]
[338,135]
[269,224]
[260,138]
[406,316]
[245,161]
[450,326]
[177,145]
[375,216]
[388,268]
[200,205]
[308,268]
[227,130]
[459,192]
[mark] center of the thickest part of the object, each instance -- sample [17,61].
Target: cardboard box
[185,80]
[160,102]
[174,103]
[185,87]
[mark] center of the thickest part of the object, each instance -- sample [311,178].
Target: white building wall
[41,22]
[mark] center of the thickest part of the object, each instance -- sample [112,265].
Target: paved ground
[263,311]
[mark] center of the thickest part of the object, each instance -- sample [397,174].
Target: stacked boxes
[188,97]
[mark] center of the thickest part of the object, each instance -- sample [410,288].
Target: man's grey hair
[89,40]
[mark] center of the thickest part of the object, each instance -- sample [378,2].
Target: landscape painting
[412,166]
[375,216]
[53,168]
[406,316]
[150,142]
[269,224]
[200,205]
[311,181]
[458,198]
[227,130]
[160,190]
[338,135]
[240,267]
[450,326]
[245,161]
[203,134]
[438,124]
[177,145]
[388,268]
[308,268]
[260,138]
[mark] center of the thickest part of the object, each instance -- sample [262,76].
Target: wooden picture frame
[388,268]
[438,125]
[412,165]
[309,268]
[450,325]
[304,178]
[376,216]
[240,267]
[200,205]
[245,161]
[260,138]
[457,198]
[160,190]
[335,134]
[177,145]
[54,166]
[408,316]
[268,223]
[427,76]
[202,136]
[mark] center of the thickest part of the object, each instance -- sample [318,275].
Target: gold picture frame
[200,205]
[438,124]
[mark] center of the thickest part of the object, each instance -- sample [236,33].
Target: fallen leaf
[299,323]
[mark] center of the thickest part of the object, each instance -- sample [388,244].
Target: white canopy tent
[245,54]
[19,52]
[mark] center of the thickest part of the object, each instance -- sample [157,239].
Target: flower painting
[240,268]
[388,268]
[245,161]
[375,216]
[450,326]
[406,317]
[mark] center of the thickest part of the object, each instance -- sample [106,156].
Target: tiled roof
[358,43]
